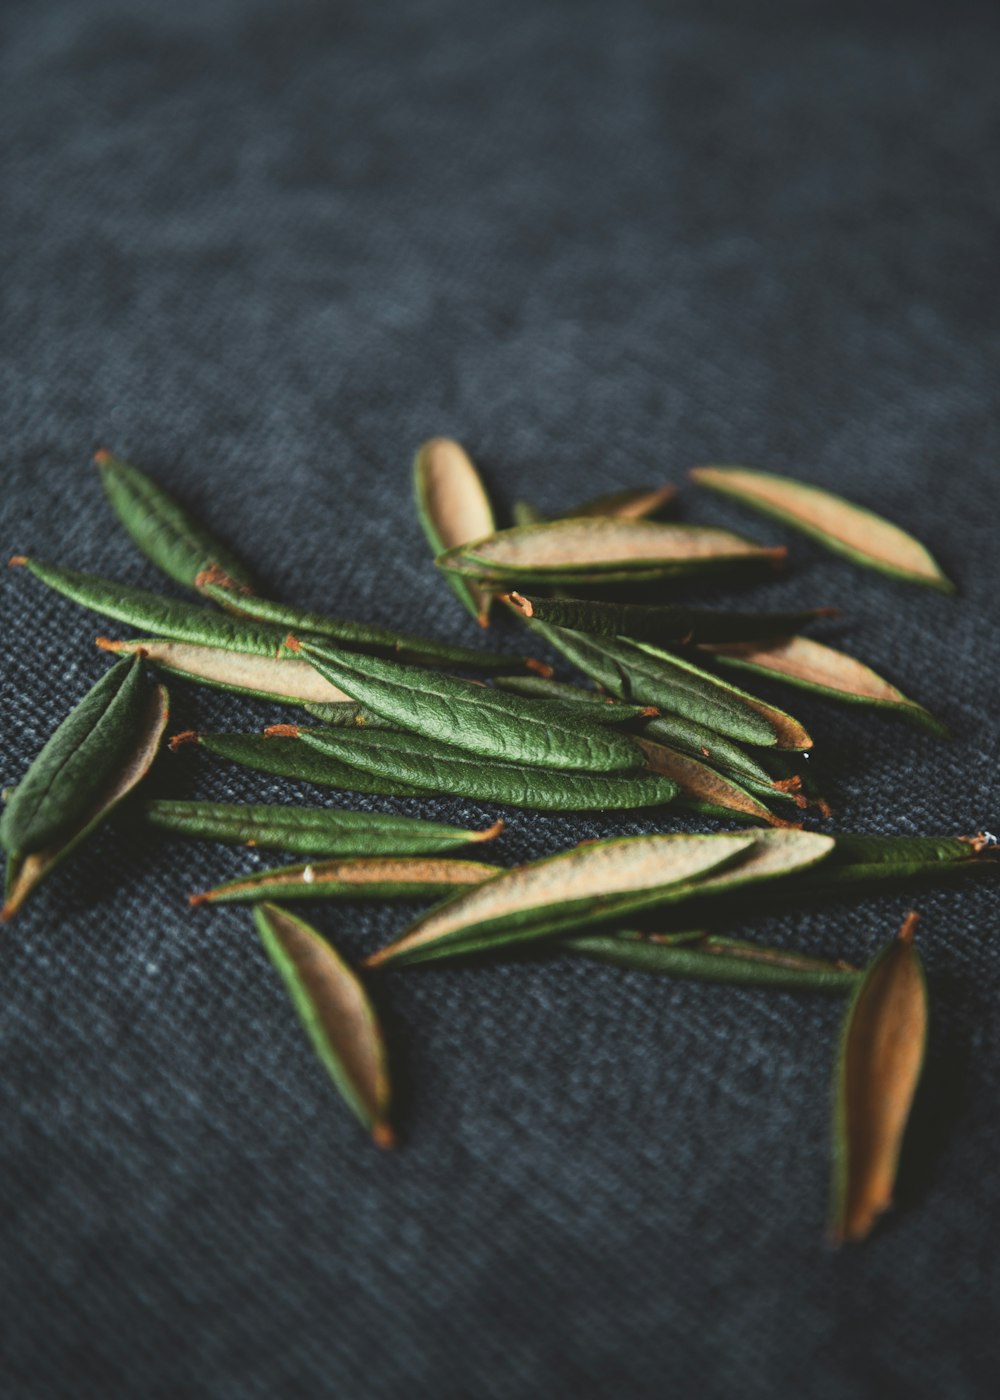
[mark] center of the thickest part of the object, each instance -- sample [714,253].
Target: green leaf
[378,877]
[346,714]
[310,831]
[878,1070]
[575,888]
[662,624]
[120,769]
[800,661]
[847,529]
[437,767]
[336,1014]
[861,859]
[709,958]
[287,758]
[703,788]
[163,530]
[707,745]
[260,628]
[604,708]
[602,550]
[454,509]
[476,718]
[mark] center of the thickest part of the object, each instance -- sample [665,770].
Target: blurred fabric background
[264,250]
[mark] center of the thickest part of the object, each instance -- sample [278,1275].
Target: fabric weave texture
[264,250]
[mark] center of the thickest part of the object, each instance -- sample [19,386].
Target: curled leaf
[803,662]
[285,678]
[165,532]
[631,503]
[337,1016]
[377,877]
[848,529]
[881,1056]
[702,787]
[602,549]
[454,509]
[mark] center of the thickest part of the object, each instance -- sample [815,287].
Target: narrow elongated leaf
[604,708]
[575,887]
[287,678]
[710,958]
[703,788]
[310,831]
[580,551]
[378,877]
[700,696]
[802,662]
[848,529]
[288,758]
[663,623]
[771,856]
[165,532]
[367,637]
[454,509]
[24,873]
[715,749]
[863,860]
[476,718]
[337,1016]
[881,1056]
[437,767]
[78,762]
[631,503]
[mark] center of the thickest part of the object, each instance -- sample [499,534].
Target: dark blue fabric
[265,249]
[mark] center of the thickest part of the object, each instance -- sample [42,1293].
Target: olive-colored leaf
[862,860]
[704,789]
[802,662]
[286,678]
[848,529]
[878,1069]
[604,708]
[582,551]
[437,767]
[310,831]
[631,503]
[288,758]
[700,696]
[476,718]
[337,1016]
[145,728]
[368,637]
[454,509]
[571,889]
[346,714]
[165,532]
[770,856]
[663,624]
[706,957]
[368,877]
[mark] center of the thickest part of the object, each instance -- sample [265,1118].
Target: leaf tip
[102,457]
[523,605]
[281,731]
[383,1136]
[186,736]
[16,561]
[196,900]
[539,667]
[909,928]
[491,832]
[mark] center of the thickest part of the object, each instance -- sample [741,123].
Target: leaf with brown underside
[23,874]
[454,509]
[363,877]
[881,1056]
[274,677]
[702,787]
[336,1014]
[601,548]
[848,529]
[814,666]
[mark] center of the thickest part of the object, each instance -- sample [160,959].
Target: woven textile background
[264,249]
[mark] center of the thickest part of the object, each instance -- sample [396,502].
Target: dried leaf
[881,1056]
[165,532]
[802,662]
[572,889]
[310,831]
[454,509]
[336,1013]
[848,529]
[366,878]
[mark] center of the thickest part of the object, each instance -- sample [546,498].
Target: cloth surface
[264,250]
